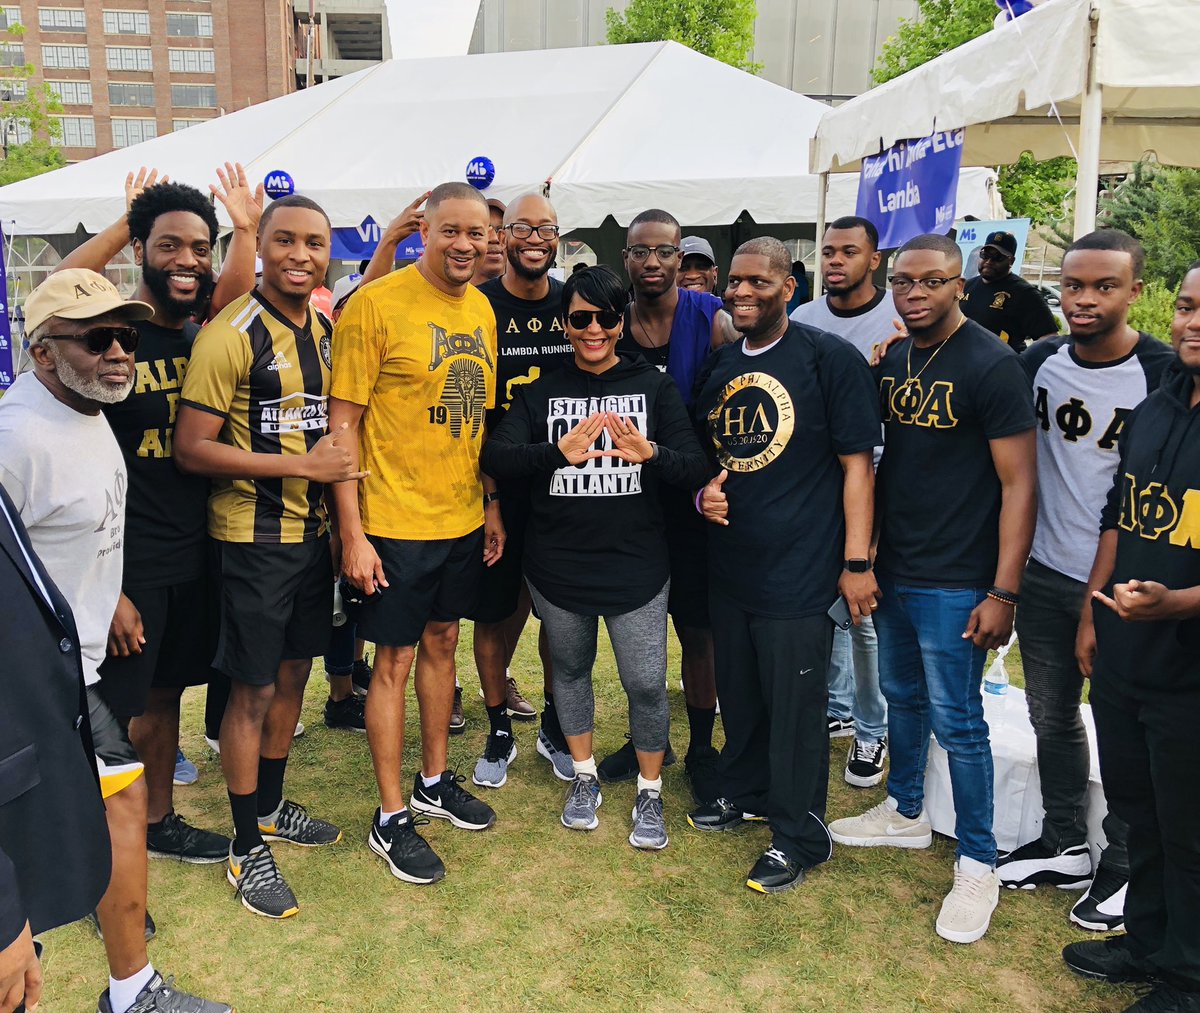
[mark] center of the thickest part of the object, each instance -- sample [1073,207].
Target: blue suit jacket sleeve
[12,911]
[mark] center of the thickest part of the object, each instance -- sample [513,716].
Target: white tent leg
[822,200]
[1087,179]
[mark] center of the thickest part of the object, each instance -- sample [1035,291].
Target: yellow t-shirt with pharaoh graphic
[424,365]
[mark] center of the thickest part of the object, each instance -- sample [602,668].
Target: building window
[61,19]
[184,124]
[65,57]
[122,93]
[77,132]
[72,93]
[197,96]
[192,61]
[19,132]
[128,57]
[194,26]
[10,17]
[127,131]
[14,89]
[12,54]
[126,23]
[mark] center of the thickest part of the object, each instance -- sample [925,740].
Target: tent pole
[819,232]
[1087,179]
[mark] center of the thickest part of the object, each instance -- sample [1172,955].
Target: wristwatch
[857,565]
[490,497]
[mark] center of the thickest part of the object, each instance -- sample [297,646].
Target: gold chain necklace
[908,365]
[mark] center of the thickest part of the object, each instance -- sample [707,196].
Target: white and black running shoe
[406,852]
[448,800]
[1038,864]
[161,996]
[1102,908]
[292,823]
[259,884]
[864,763]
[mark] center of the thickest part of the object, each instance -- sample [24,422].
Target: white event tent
[602,124]
[1120,75]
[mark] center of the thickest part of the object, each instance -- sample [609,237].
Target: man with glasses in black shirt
[1005,303]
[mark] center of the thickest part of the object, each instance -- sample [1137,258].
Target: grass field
[532,916]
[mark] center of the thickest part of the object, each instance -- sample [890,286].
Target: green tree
[722,29]
[30,111]
[1154,309]
[1161,206]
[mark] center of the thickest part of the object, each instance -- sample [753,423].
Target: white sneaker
[967,910]
[882,827]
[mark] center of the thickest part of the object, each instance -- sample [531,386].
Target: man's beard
[529,274]
[160,287]
[93,389]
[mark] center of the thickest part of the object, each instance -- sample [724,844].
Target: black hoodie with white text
[596,538]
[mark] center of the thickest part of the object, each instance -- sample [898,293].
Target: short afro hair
[655,215]
[1116,241]
[293,200]
[454,190]
[936,242]
[163,198]
[778,255]
[848,222]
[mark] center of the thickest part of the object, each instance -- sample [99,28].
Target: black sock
[700,722]
[270,784]
[245,822]
[550,717]
[499,719]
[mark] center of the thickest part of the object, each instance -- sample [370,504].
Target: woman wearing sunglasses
[596,438]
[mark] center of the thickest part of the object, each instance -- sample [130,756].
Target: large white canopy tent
[599,123]
[1120,74]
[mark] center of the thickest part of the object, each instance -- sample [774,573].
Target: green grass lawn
[533,916]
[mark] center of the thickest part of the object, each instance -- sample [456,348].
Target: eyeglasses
[523,230]
[581,320]
[640,253]
[905,285]
[99,339]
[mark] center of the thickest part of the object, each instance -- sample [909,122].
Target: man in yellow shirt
[414,371]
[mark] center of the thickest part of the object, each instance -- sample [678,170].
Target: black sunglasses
[99,339]
[581,320]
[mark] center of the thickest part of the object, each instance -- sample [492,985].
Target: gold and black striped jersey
[269,380]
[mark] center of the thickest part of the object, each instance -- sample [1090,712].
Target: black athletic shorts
[434,581]
[687,547]
[180,627]
[500,583]
[276,604]
[116,760]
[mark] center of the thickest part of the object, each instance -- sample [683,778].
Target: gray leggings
[639,641]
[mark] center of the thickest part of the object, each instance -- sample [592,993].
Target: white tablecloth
[1018,788]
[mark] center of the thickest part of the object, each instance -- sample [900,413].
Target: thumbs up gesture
[713,502]
[330,460]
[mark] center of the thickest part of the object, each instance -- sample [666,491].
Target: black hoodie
[1154,505]
[595,543]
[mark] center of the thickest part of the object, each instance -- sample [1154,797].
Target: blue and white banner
[910,189]
[359,242]
[6,342]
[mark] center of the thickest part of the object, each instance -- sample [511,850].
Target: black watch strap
[857,565]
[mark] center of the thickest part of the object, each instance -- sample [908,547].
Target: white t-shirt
[865,328]
[65,473]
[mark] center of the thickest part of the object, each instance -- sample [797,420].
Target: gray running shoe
[259,885]
[560,759]
[293,825]
[583,799]
[161,996]
[491,769]
[649,827]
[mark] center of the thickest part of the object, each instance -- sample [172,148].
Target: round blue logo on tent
[480,172]
[279,184]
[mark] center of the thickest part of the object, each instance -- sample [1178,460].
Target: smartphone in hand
[839,612]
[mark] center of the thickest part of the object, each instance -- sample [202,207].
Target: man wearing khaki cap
[62,468]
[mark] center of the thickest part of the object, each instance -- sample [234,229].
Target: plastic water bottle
[339,607]
[995,679]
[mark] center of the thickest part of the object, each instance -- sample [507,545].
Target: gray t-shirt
[65,473]
[865,328]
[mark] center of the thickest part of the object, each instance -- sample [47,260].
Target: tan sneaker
[518,707]
[967,910]
[882,827]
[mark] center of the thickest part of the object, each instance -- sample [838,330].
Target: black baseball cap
[1004,241]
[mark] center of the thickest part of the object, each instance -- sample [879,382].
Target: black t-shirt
[165,510]
[777,421]
[531,340]
[628,345]
[937,490]
[1010,308]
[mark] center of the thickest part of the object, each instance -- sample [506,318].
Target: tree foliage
[1154,309]
[1161,206]
[722,29]
[35,108]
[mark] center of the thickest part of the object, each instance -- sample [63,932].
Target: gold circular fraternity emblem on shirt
[748,425]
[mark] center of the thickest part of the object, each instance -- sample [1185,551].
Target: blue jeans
[854,681]
[930,676]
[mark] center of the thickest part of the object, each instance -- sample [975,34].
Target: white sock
[457,684]
[654,786]
[587,766]
[123,994]
[384,815]
[508,673]
[974,869]
[429,782]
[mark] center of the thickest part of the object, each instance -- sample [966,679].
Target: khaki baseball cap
[79,294]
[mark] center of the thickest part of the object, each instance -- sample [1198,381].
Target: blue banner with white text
[6,344]
[911,188]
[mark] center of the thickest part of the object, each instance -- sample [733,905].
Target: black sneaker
[348,714]
[161,996]
[700,764]
[151,928]
[1102,908]
[448,800]
[1037,863]
[406,852]
[1166,998]
[719,815]
[623,766]
[293,825]
[864,763]
[458,719]
[175,838]
[360,677]
[1108,960]
[774,872]
[259,884]
[839,729]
